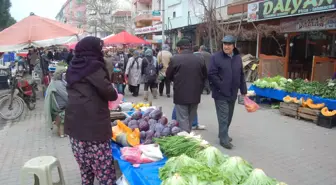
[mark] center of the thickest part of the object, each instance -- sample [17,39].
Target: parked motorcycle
[22,92]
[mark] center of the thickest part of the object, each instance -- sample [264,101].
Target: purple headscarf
[88,59]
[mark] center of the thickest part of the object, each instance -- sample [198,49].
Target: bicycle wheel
[16,110]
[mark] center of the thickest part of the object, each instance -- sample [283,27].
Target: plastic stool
[41,168]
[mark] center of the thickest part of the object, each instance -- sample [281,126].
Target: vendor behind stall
[56,100]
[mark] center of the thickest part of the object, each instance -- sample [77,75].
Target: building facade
[79,14]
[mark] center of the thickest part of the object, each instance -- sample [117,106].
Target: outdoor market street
[296,152]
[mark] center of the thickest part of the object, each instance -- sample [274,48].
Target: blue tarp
[145,174]
[279,95]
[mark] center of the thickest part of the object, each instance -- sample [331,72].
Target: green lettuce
[176,179]
[211,156]
[258,177]
[237,169]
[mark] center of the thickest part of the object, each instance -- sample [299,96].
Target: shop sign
[148,29]
[156,13]
[309,23]
[273,9]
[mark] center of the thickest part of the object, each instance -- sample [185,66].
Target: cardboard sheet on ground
[145,174]
[279,95]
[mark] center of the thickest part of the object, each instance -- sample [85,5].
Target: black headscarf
[88,59]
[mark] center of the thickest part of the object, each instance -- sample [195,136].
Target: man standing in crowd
[207,57]
[226,77]
[164,57]
[188,73]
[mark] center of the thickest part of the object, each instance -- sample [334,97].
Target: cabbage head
[237,169]
[258,177]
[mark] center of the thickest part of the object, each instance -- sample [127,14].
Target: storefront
[306,42]
[151,34]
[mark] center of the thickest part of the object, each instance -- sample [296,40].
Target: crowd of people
[95,77]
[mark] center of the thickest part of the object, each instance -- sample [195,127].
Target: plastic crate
[326,122]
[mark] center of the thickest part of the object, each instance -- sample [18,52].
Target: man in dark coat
[226,77]
[188,73]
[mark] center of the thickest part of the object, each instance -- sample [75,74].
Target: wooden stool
[41,168]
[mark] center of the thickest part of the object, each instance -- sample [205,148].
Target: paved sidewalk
[297,152]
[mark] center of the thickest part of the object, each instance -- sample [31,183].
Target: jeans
[195,122]
[120,88]
[185,114]
[164,82]
[224,110]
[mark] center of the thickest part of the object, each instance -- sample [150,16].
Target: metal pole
[163,22]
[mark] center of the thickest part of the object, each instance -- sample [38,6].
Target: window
[79,1]
[174,14]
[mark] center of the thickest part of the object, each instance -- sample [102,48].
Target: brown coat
[87,116]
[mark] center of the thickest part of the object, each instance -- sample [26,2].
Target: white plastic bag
[151,152]
[122,181]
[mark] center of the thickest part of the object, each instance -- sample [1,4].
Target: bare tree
[100,17]
[214,26]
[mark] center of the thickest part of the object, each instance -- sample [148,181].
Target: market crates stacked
[308,114]
[289,109]
[326,122]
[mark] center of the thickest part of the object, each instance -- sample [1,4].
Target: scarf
[88,59]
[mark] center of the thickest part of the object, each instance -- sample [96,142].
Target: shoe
[230,139]
[199,127]
[161,94]
[168,95]
[228,146]
[146,95]
[154,93]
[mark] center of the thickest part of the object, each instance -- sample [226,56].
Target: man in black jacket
[188,73]
[226,76]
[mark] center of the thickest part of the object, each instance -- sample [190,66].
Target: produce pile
[143,127]
[138,106]
[324,90]
[309,103]
[192,161]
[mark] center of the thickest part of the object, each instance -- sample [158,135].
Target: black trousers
[134,89]
[164,82]
[150,85]
[224,111]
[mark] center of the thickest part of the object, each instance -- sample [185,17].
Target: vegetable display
[258,177]
[237,169]
[205,166]
[177,145]
[324,90]
[151,124]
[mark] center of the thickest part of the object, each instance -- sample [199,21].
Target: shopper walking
[207,58]
[133,73]
[87,117]
[226,77]
[164,57]
[150,72]
[188,72]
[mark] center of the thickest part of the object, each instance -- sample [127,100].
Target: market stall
[279,87]
[151,150]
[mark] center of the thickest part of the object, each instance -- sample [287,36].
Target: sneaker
[168,95]
[228,145]
[230,139]
[199,127]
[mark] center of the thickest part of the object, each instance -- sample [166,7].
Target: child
[118,78]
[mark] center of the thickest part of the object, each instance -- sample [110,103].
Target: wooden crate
[289,109]
[308,114]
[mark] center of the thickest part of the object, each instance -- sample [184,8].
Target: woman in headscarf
[133,73]
[56,100]
[150,72]
[87,117]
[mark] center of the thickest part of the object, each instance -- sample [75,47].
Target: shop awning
[38,32]
[124,38]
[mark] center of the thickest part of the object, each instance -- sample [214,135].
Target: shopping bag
[114,104]
[250,105]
